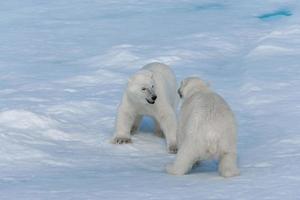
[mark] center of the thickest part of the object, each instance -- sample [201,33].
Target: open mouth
[150,101]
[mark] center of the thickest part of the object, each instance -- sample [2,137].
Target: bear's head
[190,85]
[141,87]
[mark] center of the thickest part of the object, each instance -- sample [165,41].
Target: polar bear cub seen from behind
[207,129]
[152,91]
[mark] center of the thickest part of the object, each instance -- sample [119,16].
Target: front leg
[168,124]
[136,124]
[124,123]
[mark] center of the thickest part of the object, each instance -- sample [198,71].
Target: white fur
[206,130]
[134,104]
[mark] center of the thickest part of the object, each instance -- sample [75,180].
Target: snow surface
[63,68]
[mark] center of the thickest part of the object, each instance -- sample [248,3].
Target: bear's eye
[143,89]
[152,86]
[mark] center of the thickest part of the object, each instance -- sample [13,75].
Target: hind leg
[228,165]
[185,159]
[136,124]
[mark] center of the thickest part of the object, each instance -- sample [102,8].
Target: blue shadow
[147,124]
[275,15]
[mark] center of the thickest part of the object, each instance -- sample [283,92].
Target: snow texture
[63,68]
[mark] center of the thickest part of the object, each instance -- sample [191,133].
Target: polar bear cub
[207,129]
[152,91]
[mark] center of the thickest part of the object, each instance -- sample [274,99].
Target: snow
[64,65]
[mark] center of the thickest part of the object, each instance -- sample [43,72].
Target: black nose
[154,97]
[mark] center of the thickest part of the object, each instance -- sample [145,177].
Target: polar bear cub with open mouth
[152,91]
[207,129]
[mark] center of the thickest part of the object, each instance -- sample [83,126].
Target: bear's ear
[129,80]
[183,83]
[145,73]
[149,74]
